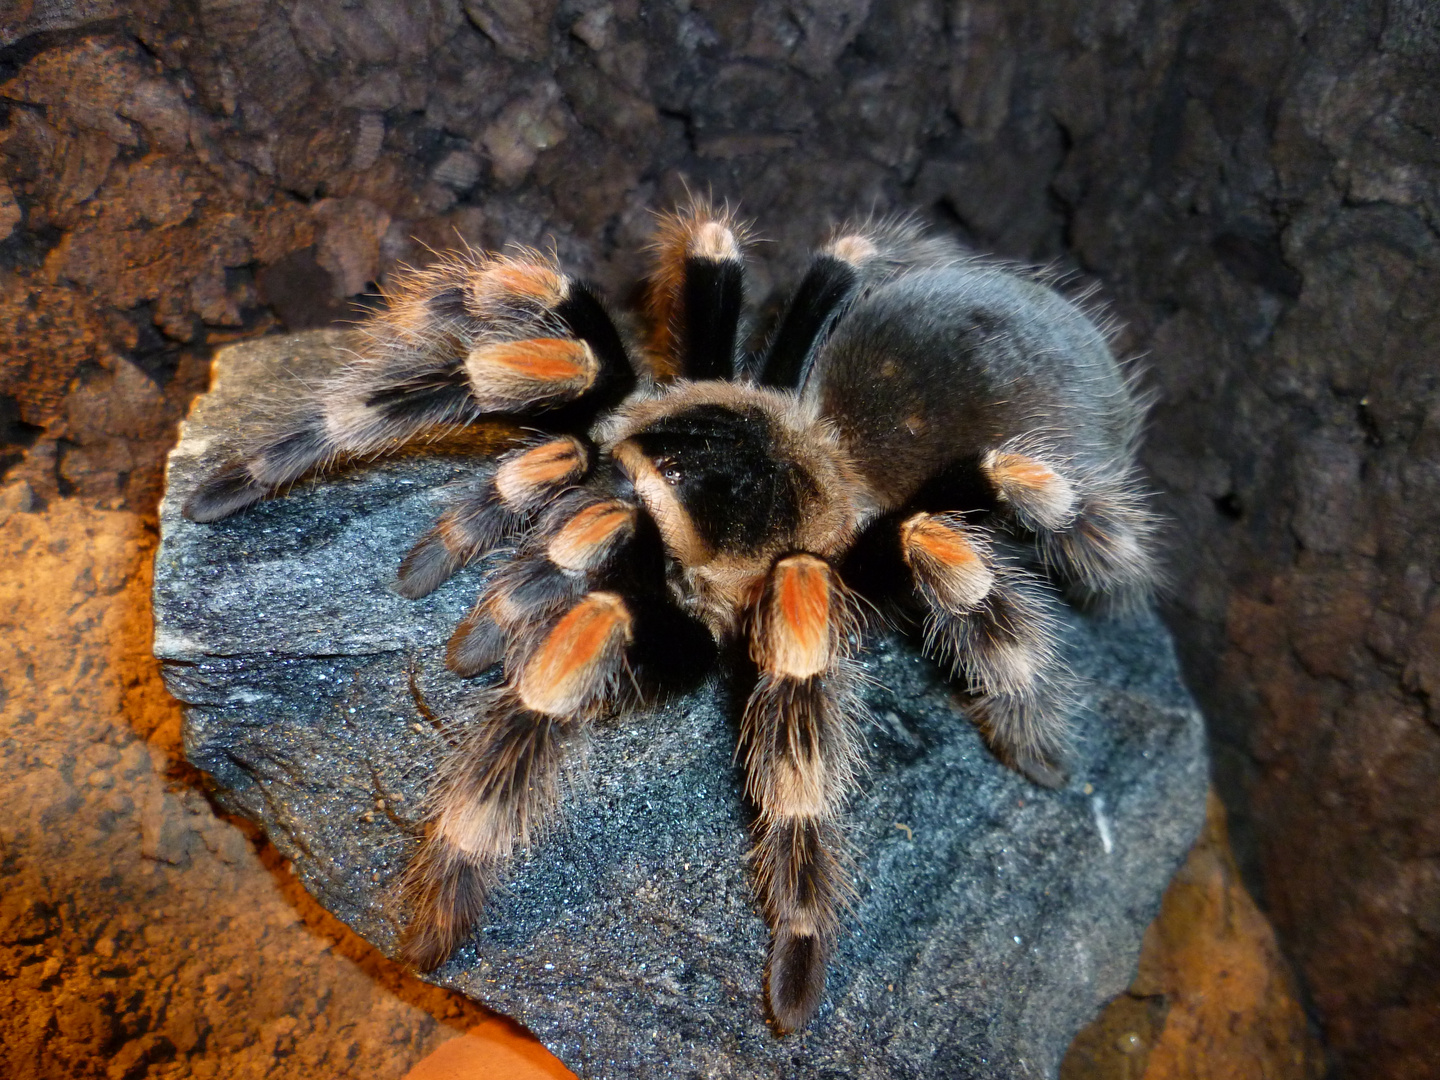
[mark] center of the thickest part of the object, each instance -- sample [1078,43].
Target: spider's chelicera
[935,433]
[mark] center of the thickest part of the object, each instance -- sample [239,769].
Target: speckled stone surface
[993,919]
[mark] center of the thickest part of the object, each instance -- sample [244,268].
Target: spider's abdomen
[938,367]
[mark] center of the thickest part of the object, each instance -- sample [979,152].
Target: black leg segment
[585,316]
[823,293]
[714,292]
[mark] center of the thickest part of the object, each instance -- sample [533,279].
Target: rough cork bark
[1254,184]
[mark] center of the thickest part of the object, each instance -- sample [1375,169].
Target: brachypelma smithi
[924,435]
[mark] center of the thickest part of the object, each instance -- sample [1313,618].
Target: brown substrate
[141,934]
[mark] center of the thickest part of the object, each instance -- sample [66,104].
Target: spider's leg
[697,292]
[578,617]
[828,286]
[1094,527]
[799,737]
[858,256]
[1105,553]
[994,624]
[473,337]
[500,785]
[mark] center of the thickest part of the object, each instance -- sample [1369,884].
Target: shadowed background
[1254,186]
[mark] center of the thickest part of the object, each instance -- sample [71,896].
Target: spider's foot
[1039,769]
[224,492]
[797,977]
[427,566]
[445,893]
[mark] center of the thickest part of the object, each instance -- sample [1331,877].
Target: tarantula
[924,429]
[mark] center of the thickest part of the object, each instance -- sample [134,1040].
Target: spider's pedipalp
[526,481]
[577,538]
[488,510]
[479,642]
[583,543]
[697,292]
[799,738]
[525,595]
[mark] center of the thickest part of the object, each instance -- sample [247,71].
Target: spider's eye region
[725,472]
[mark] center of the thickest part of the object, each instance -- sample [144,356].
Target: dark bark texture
[1255,185]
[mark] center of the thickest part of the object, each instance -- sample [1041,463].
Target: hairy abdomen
[935,368]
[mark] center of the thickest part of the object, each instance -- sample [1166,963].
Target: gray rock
[993,919]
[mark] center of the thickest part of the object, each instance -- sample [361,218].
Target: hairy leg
[500,785]
[473,336]
[858,256]
[696,293]
[994,625]
[495,506]
[799,736]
